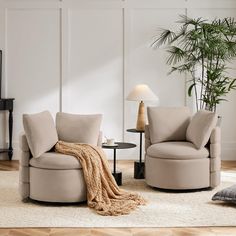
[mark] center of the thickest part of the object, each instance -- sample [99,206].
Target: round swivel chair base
[175,174]
[51,185]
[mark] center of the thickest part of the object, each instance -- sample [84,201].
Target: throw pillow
[227,194]
[168,123]
[40,131]
[200,128]
[76,128]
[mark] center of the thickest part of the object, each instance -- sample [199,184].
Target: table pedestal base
[139,169]
[118,177]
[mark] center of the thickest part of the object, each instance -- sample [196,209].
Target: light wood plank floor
[198,231]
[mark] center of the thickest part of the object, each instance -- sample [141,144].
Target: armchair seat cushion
[56,161]
[177,150]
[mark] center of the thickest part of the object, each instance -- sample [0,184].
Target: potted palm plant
[202,49]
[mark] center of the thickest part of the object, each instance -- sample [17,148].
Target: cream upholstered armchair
[49,176]
[182,152]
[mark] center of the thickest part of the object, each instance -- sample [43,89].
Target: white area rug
[165,209]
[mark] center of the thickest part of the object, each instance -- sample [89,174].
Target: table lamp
[141,92]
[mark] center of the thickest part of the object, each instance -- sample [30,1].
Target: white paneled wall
[84,56]
[33,61]
[95,83]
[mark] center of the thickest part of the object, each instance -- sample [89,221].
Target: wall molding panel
[84,56]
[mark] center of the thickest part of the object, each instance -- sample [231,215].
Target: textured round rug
[164,209]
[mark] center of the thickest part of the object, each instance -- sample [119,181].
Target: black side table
[7,104]
[119,145]
[139,168]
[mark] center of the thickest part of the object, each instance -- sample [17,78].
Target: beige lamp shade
[141,93]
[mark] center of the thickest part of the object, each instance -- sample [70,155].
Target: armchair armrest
[215,156]
[147,137]
[25,151]
[23,142]
[24,167]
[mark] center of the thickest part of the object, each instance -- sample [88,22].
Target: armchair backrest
[78,128]
[215,140]
[168,123]
[24,146]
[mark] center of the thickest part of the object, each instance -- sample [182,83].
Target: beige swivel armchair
[174,163]
[55,177]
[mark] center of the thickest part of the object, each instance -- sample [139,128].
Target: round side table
[118,145]
[139,167]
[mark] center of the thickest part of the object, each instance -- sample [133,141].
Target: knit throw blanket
[103,194]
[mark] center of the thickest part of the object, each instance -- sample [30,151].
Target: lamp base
[140,125]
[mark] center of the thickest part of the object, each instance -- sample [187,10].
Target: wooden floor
[213,231]
[199,231]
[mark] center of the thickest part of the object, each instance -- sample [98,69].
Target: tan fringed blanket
[103,194]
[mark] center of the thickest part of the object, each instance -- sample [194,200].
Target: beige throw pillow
[200,128]
[78,128]
[40,131]
[168,123]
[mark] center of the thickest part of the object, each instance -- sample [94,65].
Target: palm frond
[176,55]
[209,45]
[166,37]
